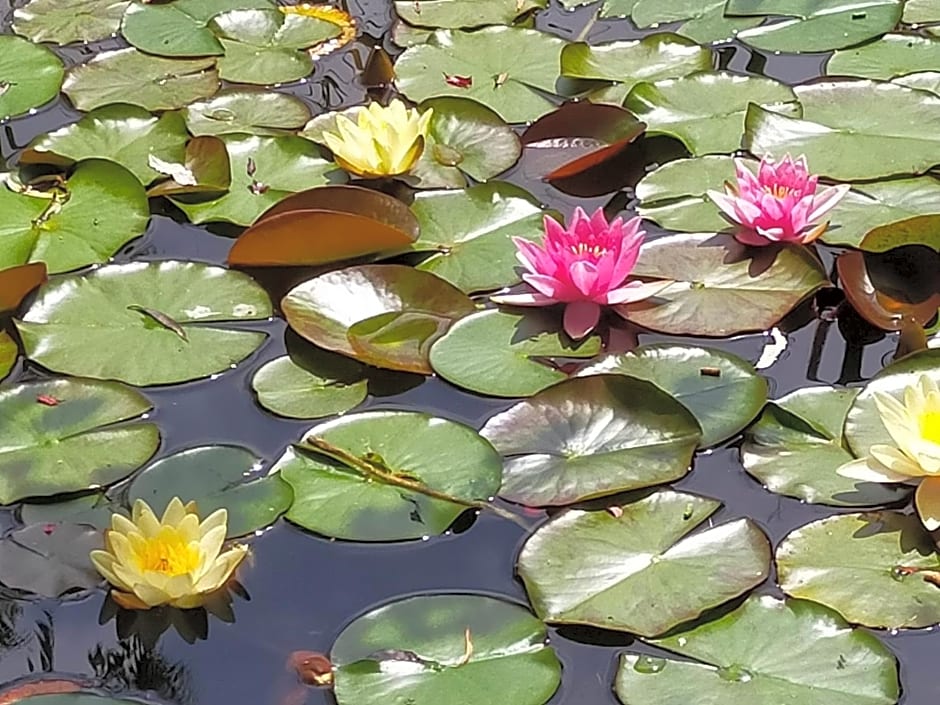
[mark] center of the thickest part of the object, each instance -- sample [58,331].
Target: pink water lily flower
[780,204]
[584,266]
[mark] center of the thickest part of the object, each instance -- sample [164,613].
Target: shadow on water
[304,588]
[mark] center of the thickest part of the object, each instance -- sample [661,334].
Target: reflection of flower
[175,561]
[915,428]
[382,142]
[584,266]
[780,204]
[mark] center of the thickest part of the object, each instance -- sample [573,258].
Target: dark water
[304,589]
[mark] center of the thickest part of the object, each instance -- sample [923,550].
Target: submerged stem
[377,471]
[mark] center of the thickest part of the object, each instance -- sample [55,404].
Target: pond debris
[458,81]
[47,400]
[467,650]
[312,668]
[161,318]
[710,371]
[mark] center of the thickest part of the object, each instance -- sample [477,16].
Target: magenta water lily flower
[782,203]
[584,267]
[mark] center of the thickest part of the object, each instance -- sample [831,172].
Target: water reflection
[192,625]
[132,666]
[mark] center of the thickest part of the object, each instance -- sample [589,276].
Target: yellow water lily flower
[175,560]
[382,142]
[914,426]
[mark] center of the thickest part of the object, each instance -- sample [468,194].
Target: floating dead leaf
[888,289]
[18,692]
[17,282]
[379,70]
[579,136]
[206,170]
[311,667]
[326,224]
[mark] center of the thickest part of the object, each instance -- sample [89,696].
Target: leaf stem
[376,471]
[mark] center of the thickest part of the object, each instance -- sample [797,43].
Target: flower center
[930,426]
[168,553]
[778,190]
[582,249]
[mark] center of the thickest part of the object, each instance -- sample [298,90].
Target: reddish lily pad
[17,282]
[323,225]
[579,136]
[886,309]
[384,315]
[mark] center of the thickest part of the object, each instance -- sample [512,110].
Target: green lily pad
[469,232]
[721,287]
[311,386]
[502,354]
[636,569]
[511,69]
[796,447]
[705,20]
[850,130]
[722,391]
[180,28]
[673,196]
[58,436]
[255,112]
[130,76]
[628,63]
[864,566]
[456,14]
[268,46]
[353,311]
[922,80]
[75,699]
[264,170]
[66,21]
[416,650]
[9,351]
[863,426]
[336,500]
[892,55]
[921,11]
[591,437]
[919,230]
[30,76]
[711,25]
[126,134]
[870,205]
[705,111]
[106,207]
[144,323]
[50,560]
[822,26]
[93,509]
[610,8]
[746,658]
[216,477]
[465,139]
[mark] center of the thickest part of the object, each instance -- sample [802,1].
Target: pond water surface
[304,589]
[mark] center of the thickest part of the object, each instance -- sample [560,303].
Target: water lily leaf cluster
[384,287]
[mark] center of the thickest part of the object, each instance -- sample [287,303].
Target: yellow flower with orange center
[914,426]
[176,560]
[381,142]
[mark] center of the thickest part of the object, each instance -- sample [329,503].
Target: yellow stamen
[582,248]
[778,191]
[930,426]
[168,553]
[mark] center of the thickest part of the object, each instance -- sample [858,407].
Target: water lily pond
[463,352]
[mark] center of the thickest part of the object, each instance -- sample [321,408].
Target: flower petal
[581,318]
[869,470]
[927,500]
